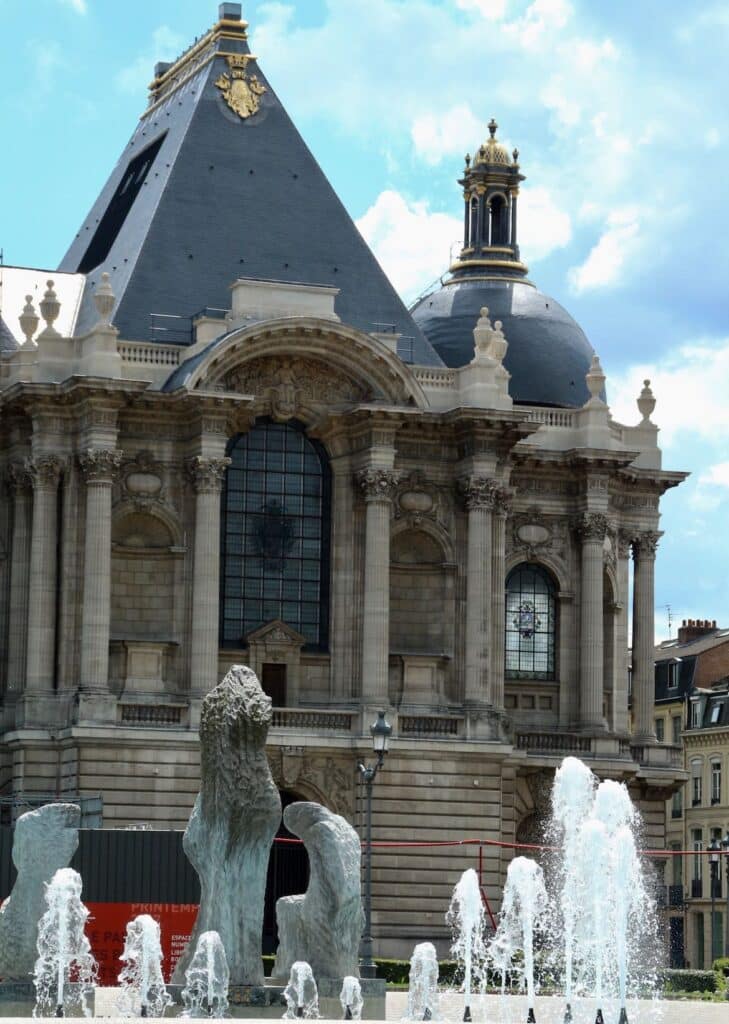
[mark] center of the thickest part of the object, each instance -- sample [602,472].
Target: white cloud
[79,6]
[543,226]
[166,45]
[541,19]
[412,243]
[606,260]
[690,384]
[451,133]
[717,475]
[493,10]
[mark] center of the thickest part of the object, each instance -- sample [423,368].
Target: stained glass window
[530,623]
[275,534]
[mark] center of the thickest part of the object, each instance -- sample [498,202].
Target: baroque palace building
[223,439]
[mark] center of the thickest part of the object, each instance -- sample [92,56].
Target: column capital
[18,477]
[378,484]
[592,526]
[206,474]
[503,500]
[44,470]
[100,465]
[478,492]
[645,544]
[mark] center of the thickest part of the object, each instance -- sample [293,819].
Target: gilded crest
[241,91]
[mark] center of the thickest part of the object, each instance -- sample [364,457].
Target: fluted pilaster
[644,556]
[478,493]
[378,486]
[21,488]
[99,467]
[592,529]
[502,507]
[206,476]
[45,472]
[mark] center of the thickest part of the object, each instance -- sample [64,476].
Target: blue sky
[619,112]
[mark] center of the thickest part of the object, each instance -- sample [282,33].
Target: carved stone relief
[286,385]
[537,535]
[323,776]
[418,499]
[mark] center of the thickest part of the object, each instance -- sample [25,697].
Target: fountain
[65,971]
[351,998]
[466,918]
[206,979]
[142,986]
[301,995]
[423,986]
[522,915]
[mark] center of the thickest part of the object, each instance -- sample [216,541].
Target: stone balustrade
[297,718]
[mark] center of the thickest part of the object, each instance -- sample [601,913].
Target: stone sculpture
[323,926]
[45,841]
[235,818]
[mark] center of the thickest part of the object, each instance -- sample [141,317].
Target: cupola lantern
[490,188]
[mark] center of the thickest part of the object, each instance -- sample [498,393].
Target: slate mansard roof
[201,197]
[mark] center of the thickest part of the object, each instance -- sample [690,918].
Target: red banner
[108,923]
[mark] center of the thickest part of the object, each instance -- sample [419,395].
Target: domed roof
[548,354]
[492,152]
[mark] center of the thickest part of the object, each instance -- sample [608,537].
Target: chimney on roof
[230,12]
[692,629]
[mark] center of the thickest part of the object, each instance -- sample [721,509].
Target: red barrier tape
[395,845]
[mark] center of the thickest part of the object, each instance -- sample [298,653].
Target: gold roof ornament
[241,92]
[492,152]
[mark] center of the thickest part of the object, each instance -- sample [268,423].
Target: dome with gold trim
[492,151]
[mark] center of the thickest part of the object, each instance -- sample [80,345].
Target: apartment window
[696,783]
[677,804]
[695,714]
[715,714]
[676,726]
[672,675]
[676,866]
[697,846]
[716,885]
[716,782]
[660,729]
[699,940]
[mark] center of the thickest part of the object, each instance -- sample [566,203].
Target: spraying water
[522,916]
[467,921]
[301,994]
[351,998]
[573,795]
[206,979]
[65,971]
[423,983]
[141,984]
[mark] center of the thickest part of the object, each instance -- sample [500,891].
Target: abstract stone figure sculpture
[45,841]
[237,812]
[323,926]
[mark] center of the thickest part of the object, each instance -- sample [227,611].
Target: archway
[288,873]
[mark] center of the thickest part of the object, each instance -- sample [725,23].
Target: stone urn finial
[28,320]
[499,344]
[482,333]
[595,379]
[50,307]
[104,300]
[646,402]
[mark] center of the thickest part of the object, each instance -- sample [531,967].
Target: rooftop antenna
[670,618]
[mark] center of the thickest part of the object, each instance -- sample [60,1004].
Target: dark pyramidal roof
[7,341]
[202,196]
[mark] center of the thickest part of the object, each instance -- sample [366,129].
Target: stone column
[378,486]
[99,467]
[644,557]
[45,471]
[206,476]
[592,530]
[502,505]
[342,590]
[478,492]
[20,484]
[620,697]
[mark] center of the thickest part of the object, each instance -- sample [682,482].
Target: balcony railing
[151,716]
[298,718]
[428,725]
[697,888]
[553,743]
[675,895]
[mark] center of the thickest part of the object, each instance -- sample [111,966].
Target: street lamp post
[715,851]
[380,731]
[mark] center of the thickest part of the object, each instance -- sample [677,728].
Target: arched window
[499,221]
[474,222]
[275,534]
[530,623]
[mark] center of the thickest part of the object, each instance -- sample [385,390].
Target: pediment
[288,384]
[276,632]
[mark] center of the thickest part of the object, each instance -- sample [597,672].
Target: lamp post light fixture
[380,731]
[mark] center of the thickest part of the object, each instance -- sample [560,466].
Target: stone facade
[129,507]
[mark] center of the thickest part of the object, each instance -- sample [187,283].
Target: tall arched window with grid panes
[275,534]
[531,626]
